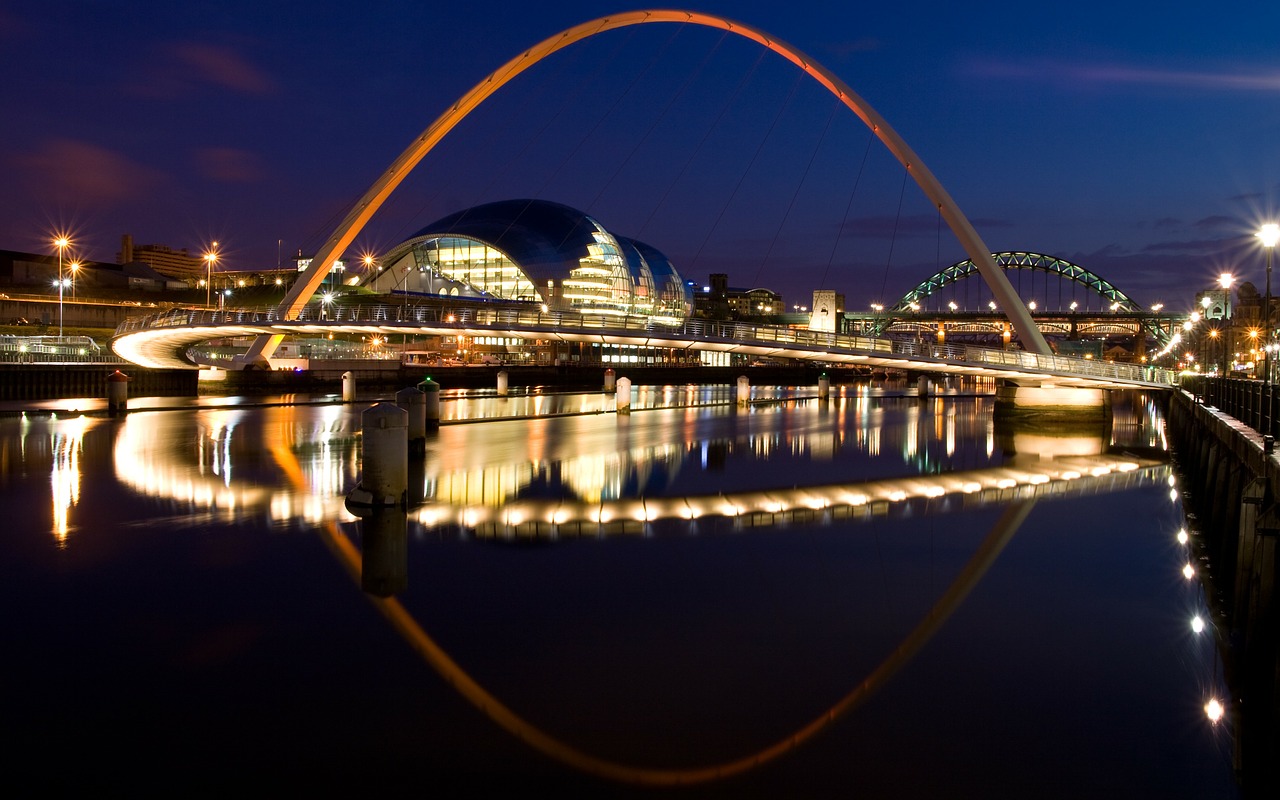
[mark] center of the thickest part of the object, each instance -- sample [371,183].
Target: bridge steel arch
[1019,260]
[382,188]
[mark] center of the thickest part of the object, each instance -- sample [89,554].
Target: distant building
[36,269]
[171,263]
[719,300]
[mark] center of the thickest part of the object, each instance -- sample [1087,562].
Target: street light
[61,243]
[1225,280]
[75,268]
[1269,234]
[210,258]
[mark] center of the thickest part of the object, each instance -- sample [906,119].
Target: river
[874,596]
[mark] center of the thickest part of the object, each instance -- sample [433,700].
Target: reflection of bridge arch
[1017,488]
[1014,260]
[367,205]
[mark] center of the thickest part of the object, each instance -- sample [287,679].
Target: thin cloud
[221,66]
[1217,221]
[229,165]
[1103,74]
[182,68]
[66,170]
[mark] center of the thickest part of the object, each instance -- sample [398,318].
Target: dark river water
[869,597]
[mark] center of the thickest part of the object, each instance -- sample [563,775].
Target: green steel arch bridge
[1093,307]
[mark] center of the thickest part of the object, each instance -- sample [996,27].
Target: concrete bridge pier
[1047,402]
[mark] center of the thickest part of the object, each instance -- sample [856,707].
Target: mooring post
[117,392]
[622,400]
[430,403]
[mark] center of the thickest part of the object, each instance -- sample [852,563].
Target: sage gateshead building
[535,251]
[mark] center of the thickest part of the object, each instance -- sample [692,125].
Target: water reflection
[793,470]
[580,473]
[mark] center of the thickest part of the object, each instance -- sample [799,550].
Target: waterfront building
[534,251]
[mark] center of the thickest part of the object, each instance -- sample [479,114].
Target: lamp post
[1269,234]
[210,258]
[61,243]
[1225,280]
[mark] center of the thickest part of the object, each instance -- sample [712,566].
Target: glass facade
[539,252]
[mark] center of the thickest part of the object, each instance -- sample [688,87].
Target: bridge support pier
[1049,403]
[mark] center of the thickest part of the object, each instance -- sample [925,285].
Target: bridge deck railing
[711,331]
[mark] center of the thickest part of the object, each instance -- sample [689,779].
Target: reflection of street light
[1269,234]
[61,243]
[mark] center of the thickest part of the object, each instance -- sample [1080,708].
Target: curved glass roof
[546,239]
[550,243]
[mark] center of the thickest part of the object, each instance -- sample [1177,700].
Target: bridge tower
[826,311]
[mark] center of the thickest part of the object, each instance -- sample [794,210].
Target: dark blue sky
[1139,140]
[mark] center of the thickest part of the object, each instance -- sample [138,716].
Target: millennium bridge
[1030,373]
[161,340]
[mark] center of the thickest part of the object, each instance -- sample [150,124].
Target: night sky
[1139,140]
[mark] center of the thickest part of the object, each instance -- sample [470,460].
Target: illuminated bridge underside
[162,341]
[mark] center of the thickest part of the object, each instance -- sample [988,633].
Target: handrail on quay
[1253,402]
[442,316]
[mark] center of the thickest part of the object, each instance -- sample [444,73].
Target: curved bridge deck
[161,340]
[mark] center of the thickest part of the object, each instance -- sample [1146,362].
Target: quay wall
[1230,485]
[56,381]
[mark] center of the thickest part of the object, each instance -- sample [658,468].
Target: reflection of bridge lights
[1214,710]
[1182,536]
[1197,624]
[1173,495]
[1188,571]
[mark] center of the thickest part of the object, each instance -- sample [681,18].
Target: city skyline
[1139,148]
